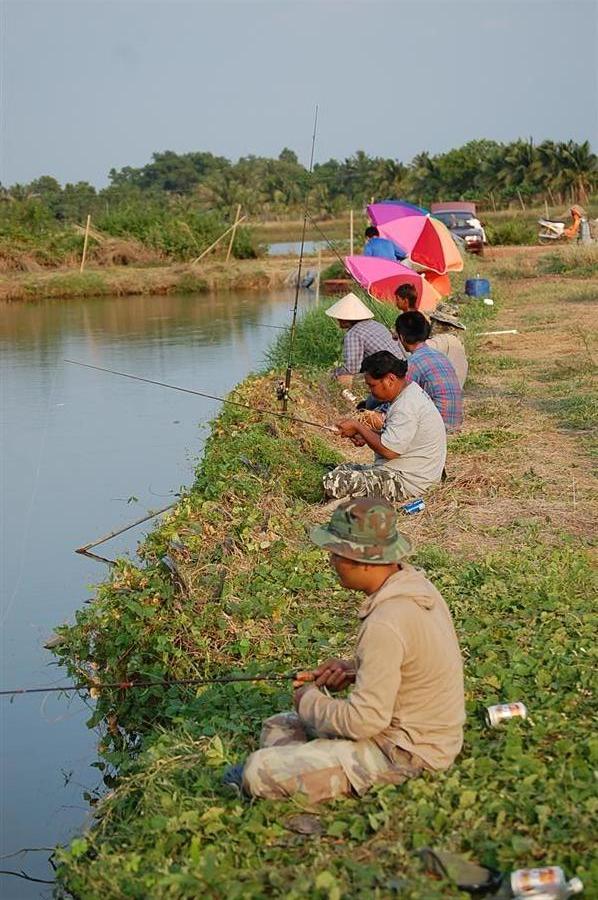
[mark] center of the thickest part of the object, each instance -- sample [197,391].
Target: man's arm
[350,428]
[370,706]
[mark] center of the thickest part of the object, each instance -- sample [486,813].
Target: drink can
[414,506]
[349,395]
[503,711]
[549,882]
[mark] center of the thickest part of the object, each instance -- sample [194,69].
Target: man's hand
[302,683]
[334,674]
[348,427]
[357,440]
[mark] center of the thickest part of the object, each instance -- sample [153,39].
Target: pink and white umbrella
[381,278]
[427,240]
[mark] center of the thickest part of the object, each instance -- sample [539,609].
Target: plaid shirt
[434,373]
[363,339]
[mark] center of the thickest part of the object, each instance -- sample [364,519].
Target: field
[507,539]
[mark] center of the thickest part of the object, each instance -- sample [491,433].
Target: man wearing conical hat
[404,712]
[363,337]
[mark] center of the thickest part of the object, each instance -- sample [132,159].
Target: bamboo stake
[85,241]
[232,237]
[493,201]
[521,199]
[546,208]
[318,277]
[550,195]
[111,534]
[351,232]
[217,241]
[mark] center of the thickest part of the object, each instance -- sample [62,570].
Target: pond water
[83,453]
[293,248]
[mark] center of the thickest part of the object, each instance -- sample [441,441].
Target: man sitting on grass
[363,336]
[431,369]
[444,329]
[410,450]
[405,711]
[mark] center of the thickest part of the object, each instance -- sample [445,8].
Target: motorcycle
[557,230]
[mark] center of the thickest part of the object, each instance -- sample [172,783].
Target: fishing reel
[282,391]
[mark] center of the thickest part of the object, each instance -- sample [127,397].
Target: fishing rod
[128,685]
[174,387]
[284,390]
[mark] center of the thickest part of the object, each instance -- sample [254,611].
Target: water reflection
[77,445]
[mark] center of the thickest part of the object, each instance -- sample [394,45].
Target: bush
[513,231]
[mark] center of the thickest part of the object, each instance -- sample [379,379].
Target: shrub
[513,231]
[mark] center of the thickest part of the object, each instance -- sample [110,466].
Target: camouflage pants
[357,480]
[290,763]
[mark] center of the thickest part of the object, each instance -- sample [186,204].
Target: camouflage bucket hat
[364,530]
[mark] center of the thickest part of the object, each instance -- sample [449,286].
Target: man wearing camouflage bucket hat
[405,711]
[444,337]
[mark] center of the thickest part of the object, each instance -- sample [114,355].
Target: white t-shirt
[414,429]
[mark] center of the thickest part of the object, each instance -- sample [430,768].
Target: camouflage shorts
[290,763]
[356,480]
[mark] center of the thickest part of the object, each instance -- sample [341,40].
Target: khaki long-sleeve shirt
[408,690]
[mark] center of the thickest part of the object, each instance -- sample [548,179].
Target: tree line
[494,174]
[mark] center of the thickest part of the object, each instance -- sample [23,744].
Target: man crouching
[405,711]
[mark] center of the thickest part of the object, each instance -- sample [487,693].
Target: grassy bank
[261,274]
[506,539]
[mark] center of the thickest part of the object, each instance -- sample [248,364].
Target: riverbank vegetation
[230,582]
[176,206]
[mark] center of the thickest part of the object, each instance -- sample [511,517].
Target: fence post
[85,242]
[521,199]
[318,277]
[351,232]
[232,237]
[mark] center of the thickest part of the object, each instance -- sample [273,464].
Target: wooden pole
[318,276]
[217,241]
[546,208]
[232,237]
[521,199]
[550,195]
[351,232]
[493,201]
[85,242]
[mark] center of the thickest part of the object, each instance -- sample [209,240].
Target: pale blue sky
[88,85]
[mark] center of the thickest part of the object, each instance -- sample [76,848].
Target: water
[293,248]
[77,446]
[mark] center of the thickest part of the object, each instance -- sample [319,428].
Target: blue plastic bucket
[477,287]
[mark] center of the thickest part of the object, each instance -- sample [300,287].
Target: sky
[87,85]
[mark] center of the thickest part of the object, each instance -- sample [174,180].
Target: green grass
[576,260]
[520,794]
[487,439]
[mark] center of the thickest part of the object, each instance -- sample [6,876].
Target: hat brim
[373,555]
[448,320]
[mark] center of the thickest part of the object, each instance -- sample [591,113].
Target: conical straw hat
[350,309]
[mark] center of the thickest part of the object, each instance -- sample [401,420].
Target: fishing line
[128,685]
[288,375]
[174,387]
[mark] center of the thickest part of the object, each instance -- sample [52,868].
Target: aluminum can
[414,506]
[503,711]
[544,884]
[349,395]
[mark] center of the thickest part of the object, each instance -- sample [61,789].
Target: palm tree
[578,169]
